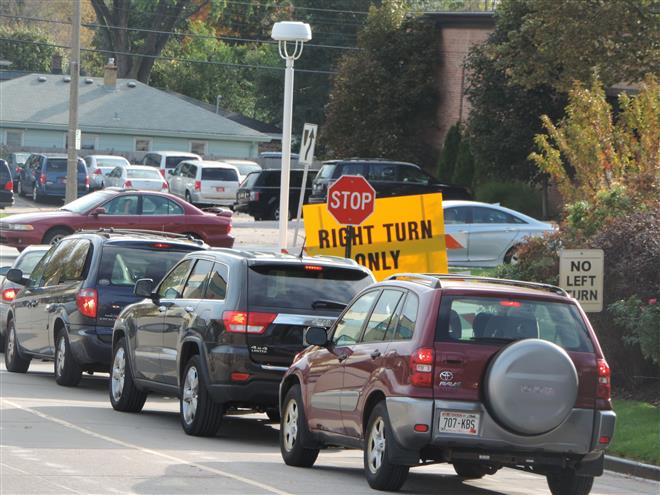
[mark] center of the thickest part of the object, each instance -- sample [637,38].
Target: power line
[314,9]
[172,33]
[171,59]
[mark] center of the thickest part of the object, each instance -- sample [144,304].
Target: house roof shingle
[139,110]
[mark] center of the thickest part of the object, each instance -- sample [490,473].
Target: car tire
[380,472]
[53,236]
[67,370]
[200,415]
[124,395]
[471,471]
[294,434]
[13,360]
[567,482]
[273,415]
[511,256]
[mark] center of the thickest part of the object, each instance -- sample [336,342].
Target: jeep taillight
[247,322]
[87,302]
[421,368]
[604,386]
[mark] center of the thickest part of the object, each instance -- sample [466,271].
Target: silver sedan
[482,234]
[26,262]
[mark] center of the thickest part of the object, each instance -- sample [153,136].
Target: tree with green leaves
[383,99]
[590,151]
[524,69]
[31,50]
[449,153]
[227,73]
[136,31]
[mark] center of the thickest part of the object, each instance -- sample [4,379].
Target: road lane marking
[43,478]
[127,445]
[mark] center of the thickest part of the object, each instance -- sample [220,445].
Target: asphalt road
[56,440]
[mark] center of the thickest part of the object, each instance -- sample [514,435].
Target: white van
[203,182]
[167,160]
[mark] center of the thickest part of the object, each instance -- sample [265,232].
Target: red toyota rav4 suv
[480,373]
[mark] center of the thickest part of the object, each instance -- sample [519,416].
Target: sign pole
[349,241]
[71,189]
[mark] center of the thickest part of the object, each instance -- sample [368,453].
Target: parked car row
[417,369]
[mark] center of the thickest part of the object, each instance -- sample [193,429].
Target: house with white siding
[116,116]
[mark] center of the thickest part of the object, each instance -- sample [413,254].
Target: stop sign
[351,199]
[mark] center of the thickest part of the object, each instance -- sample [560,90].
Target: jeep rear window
[125,265]
[300,286]
[493,320]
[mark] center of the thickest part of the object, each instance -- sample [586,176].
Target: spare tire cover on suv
[531,386]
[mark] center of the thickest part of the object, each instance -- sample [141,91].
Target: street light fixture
[297,33]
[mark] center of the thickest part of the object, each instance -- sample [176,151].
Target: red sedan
[127,209]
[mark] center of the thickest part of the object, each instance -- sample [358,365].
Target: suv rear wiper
[324,303]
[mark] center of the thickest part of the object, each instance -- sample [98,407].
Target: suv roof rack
[155,233]
[438,278]
[420,278]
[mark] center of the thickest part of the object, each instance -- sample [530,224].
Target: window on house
[88,142]
[142,144]
[198,147]
[14,138]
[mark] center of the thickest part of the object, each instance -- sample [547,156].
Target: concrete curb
[633,468]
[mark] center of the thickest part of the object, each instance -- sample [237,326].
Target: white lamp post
[296,33]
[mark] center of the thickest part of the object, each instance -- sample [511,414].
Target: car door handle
[375,354]
[189,309]
[162,309]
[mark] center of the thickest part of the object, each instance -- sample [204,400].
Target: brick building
[458,32]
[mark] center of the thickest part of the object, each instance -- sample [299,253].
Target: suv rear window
[251,180]
[495,319]
[225,174]
[300,286]
[124,265]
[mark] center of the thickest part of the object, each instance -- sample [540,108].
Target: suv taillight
[98,171]
[254,196]
[87,181]
[163,172]
[42,179]
[9,295]
[247,322]
[198,185]
[421,368]
[87,302]
[128,184]
[9,186]
[165,187]
[604,387]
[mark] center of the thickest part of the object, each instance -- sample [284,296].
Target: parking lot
[60,440]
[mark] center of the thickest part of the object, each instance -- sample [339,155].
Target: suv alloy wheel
[200,416]
[293,432]
[124,395]
[13,361]
[381,473]
[67,370]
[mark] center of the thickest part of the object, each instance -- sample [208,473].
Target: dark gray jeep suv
[221,329]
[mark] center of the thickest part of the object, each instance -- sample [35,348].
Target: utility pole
[74,69]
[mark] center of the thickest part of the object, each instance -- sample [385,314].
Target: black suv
[259,193]
[69,303]
[388,178]
[222,328]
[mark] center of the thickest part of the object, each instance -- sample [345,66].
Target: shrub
[584,219]
[538,261]
[464,169]
[642,322]
[449,154]
[515,195]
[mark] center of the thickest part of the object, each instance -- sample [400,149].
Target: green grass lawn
[637,434]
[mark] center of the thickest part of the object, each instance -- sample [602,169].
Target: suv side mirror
[143,287]
[98,211]
[16,275]
[316,336]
